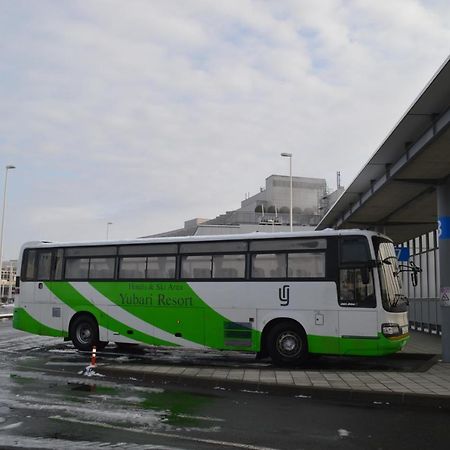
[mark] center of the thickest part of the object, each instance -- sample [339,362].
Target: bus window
[44,261]
[306,265]
[354,249]
[77,268]
[58,264]
[132,267]
[160,267]
[213,247]
[353,292]
[90,251]
[287,244]
[30,268]
[148,249]
[196,266]
[269,265]
[229,266]
[101,268]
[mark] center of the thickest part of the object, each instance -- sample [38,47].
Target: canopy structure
[395,193]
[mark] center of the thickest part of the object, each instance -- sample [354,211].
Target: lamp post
[289,155]
[107,229]
[9,167]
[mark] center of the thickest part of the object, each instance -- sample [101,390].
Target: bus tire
[84,333]
[287,344]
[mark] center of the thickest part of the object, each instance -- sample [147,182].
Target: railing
[425,315]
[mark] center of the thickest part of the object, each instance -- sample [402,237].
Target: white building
[8,281]
[269,209]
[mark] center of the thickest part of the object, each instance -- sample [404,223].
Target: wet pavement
[414,376]
[155,400]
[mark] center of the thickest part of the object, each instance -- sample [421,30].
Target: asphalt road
[46,402]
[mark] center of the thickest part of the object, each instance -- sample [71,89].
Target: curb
[309,392]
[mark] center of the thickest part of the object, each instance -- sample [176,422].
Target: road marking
[16,441]
[161,434]
[11,426]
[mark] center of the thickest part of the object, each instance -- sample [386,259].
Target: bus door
[358,324]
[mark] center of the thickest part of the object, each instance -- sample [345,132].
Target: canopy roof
[395,193]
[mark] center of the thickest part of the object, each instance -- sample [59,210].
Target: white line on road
[168,435]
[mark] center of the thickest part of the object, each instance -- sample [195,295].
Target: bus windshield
[391,288]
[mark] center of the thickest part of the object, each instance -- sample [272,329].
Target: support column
[443,200]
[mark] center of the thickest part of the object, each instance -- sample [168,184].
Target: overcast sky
[148,113]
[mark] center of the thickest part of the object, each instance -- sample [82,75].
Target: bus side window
[58,264]
[30,266]
[269,265]
[306,265]
[196,266]
[77,268]
[102,268]
[132,267]
[44,261]
[229,266]
[161,267]
[353,292]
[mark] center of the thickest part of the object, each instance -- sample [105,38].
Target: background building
[269,209]
[8,281]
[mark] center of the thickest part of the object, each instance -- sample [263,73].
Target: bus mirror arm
[387,260]
[411,267]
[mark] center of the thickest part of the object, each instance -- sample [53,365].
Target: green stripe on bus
[72,298]
[175,308]
[377,346]
[22,320]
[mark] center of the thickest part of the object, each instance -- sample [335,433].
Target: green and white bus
[283,295]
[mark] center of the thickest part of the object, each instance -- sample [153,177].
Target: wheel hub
[84,334]
[289,344]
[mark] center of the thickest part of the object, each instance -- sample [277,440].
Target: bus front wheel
[287,344]
[84,333]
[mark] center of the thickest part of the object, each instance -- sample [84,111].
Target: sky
[147,113]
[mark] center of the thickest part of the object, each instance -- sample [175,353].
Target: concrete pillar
[443,200]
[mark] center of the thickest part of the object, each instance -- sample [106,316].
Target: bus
[279,295]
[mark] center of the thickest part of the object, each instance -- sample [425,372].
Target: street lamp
[289,155]
[107,229]
[2,226]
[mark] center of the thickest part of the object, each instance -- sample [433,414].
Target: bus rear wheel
[84,333]
[287,344]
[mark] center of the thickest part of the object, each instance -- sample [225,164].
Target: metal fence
[425,315]
[424,309]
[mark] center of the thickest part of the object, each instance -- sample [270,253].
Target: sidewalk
[426,387]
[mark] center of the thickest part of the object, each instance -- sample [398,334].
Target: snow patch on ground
[249,391]
[90,372]
[343,433]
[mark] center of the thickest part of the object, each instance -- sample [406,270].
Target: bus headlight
[391,329]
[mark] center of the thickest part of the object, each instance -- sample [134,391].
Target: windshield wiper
[398,297]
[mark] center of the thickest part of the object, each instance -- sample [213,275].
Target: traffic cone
[94,356]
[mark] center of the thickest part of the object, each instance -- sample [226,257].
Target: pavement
[415,376]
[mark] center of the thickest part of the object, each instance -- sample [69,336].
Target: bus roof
[207,238]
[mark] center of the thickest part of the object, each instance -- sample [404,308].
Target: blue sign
[402,254]
[444,227]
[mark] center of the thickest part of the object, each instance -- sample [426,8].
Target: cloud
[150,113]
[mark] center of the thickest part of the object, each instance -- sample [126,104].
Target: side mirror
[414,278]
